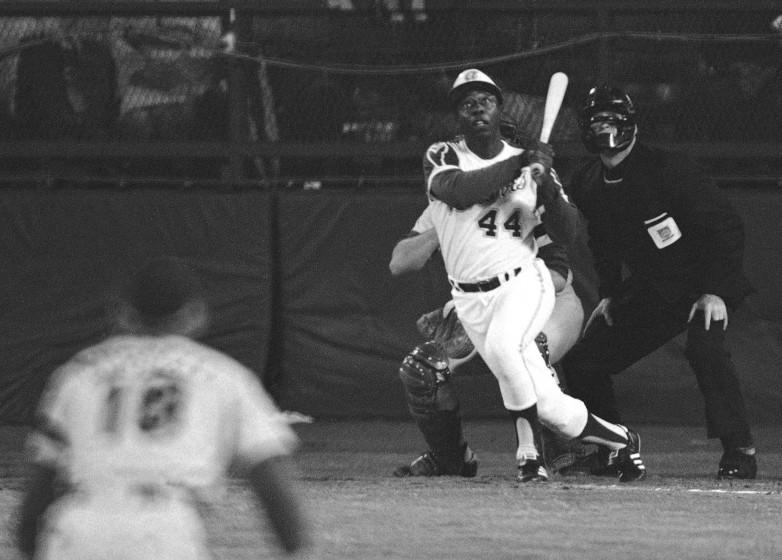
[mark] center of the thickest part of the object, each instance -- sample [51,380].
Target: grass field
[359,511]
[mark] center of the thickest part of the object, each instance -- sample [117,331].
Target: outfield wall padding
[62,251]
[347,323]
[301,293]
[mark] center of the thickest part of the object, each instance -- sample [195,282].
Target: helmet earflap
[609,105]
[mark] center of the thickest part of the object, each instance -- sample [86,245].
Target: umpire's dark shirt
[657,186]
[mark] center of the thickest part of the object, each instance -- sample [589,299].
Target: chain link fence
[349,89]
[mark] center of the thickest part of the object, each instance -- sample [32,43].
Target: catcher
[426,371]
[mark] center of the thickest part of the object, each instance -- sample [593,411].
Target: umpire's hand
[713,308]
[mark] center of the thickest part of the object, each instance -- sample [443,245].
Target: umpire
[668,251]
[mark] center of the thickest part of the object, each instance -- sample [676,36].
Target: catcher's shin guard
[427,464]
[433,404]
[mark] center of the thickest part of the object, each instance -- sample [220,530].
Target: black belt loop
[485,285]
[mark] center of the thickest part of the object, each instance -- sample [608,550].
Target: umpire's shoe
[738,464]
[628,462]
[428,465]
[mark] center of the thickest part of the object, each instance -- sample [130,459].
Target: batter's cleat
[628,461]
[736,464]
[427,464]
[532,470]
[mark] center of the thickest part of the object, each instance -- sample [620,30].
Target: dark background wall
[302,294]
[63,252]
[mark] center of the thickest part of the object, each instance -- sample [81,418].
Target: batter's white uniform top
[134,425]
[494,239]
[484,240]
[425,223]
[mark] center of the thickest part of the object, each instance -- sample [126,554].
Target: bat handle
[536,169]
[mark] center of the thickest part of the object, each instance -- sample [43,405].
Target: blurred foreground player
[668,250]
[130,430]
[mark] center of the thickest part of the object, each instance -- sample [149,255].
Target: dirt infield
[359,511]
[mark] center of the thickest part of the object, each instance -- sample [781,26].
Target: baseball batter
[485,204]
[136,427]
[435,407]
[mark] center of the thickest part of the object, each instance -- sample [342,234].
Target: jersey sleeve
[424,221]
[262,432]
[440,157]
[50,438]
[448,182]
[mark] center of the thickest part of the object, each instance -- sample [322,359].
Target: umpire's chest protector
[641,218]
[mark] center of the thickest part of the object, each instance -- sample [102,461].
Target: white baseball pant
[502,324]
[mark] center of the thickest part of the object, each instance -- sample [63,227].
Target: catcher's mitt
[443,327]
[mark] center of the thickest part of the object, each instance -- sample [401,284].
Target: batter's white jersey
[487,239]
[495,240]
[134,424]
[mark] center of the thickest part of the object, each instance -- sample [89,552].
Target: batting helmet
[473,79]
[605,104]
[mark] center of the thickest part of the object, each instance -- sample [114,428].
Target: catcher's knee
[563,329]
[424,374]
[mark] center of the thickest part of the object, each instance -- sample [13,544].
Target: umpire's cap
[162,287]
[472,79]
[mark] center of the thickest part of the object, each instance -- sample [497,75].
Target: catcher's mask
[469,80]
[615,111]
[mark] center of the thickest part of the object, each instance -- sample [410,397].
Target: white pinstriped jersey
[155,410]
[485,239]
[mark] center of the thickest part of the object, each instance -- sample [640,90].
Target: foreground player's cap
[163,286]
[473,79]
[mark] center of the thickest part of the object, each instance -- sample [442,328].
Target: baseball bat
[556,93]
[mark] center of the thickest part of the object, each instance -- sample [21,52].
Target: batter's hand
[713,308]
[603,310]
[542,153]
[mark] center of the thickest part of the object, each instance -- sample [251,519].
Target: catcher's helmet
[604,104]
[473,79]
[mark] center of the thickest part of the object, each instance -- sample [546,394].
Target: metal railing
[248,150]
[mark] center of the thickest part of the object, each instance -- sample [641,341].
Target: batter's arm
[462,189]
[273,487]
[412,253]
[38,496]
